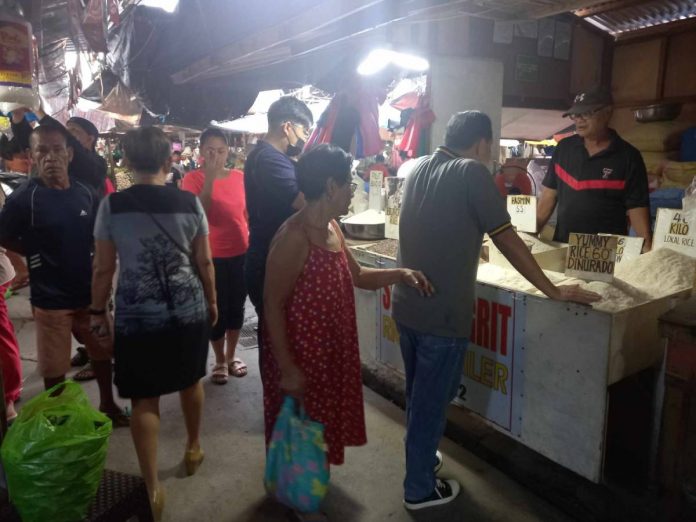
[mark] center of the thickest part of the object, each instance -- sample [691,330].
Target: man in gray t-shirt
[449,202]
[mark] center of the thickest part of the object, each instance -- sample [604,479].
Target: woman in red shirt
[221,192]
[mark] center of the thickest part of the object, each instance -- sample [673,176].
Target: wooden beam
[564,6]
[603,7]
[662,67]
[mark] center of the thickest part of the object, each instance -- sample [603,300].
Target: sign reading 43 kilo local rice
[675,229]
[493,375]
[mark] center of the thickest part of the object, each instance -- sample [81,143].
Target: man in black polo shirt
[596,178]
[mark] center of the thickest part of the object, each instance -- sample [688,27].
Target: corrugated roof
[617,17]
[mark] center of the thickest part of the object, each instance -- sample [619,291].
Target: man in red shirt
[221,192]
[379,166]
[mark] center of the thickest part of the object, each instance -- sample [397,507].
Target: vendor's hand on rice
[575,294]
[417,280]
[292,381]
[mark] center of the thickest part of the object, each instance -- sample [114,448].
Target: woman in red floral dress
[311,336]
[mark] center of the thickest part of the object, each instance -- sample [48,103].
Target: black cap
[590,101]
[86,125]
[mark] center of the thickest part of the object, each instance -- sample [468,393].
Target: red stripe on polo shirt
[590,184]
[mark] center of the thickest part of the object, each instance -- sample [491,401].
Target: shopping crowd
[185,260]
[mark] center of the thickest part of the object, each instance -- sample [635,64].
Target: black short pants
[231,295]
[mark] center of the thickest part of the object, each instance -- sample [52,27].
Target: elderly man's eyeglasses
[585,115]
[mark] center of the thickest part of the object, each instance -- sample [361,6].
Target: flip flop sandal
[237,368]
[220,374]
[80,358]
[119,420]
[86,374]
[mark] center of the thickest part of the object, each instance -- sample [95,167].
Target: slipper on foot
[220,374]
[119,419]
[80,358]
[238,368]
[86,374]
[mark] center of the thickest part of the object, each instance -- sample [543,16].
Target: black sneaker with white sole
[445,492]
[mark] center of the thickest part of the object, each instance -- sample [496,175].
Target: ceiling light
[378,59]
[166,5]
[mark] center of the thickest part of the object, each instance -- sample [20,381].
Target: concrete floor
[229,485]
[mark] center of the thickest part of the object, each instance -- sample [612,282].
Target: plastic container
[665,198]
[18,86]
[688,145]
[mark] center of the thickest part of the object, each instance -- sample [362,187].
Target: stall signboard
[627,248]
[493,370]
[591,257]
[675,229]
[492,380]
[523,212]
[395,188]
[376,184]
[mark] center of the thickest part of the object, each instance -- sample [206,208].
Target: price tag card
[675,229]
[591,257]
[395,187]
[627,247]
[376,184]
[523,212]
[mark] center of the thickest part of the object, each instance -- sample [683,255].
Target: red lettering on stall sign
[505,314]
[484,329]
[386,298]
[483,313]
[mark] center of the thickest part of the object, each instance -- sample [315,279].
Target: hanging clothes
[351,121]
[414,142]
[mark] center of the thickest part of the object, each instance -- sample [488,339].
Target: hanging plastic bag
[54,455]
[18,85]
[297,470]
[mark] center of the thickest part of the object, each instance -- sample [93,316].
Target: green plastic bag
[54,455]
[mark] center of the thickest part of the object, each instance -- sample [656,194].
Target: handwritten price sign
[522,210]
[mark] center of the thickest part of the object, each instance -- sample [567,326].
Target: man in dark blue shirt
[272,195]
[86,166]
[50,220]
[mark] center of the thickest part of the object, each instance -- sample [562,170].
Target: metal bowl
[658,112]
[359,231]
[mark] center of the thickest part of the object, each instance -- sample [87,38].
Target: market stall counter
[539,370]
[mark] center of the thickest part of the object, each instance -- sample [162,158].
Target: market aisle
[229,485]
